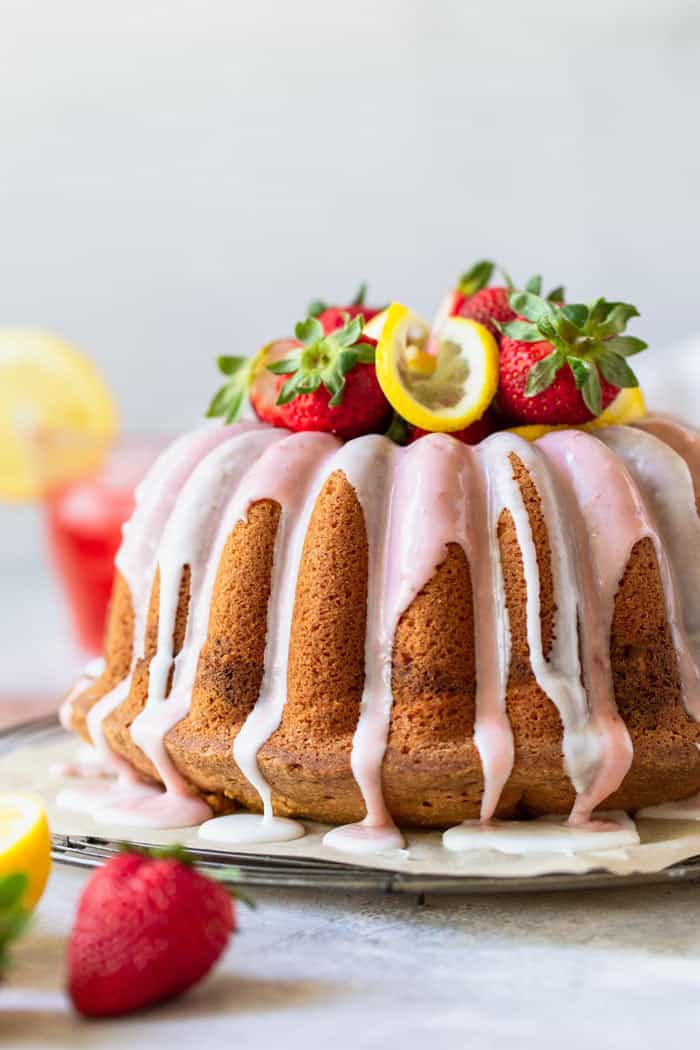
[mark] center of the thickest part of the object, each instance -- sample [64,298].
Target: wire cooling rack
[260,869]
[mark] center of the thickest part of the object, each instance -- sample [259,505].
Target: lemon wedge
[57,417]
[628,407]
[25,844]
[459,388]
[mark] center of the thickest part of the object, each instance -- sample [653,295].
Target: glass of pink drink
[84,527]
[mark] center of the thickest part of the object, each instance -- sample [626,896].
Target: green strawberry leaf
[557,295]
[235,407]
[290,364]
[534,285]
[14,917]
[316,307]
[347,359]
[587,381]
[477,278]
[349,334]
[591,391]
[542,374]
[360,294]
[219,402]
[577,313]
[12,889]
[549,328]
[625,345]
[291,389]
[398,431]
[615,369]
[579,369]
[560,327]
[524,331]
[231,365]
[615,321]
[510,285]
[309,331]
[530,306]
[366,353]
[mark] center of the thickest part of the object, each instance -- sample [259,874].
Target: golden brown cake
[349,632]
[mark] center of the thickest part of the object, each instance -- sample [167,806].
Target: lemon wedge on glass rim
[25,844]
[628,407]
[57,417]
[460,387]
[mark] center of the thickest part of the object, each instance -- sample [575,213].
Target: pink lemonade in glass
[84,527]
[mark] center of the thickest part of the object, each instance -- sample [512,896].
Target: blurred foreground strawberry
[148,927]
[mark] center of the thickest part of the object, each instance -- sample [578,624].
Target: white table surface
[607,969]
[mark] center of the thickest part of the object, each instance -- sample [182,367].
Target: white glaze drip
[545,835]
[155,499]
[293,477]
[247,828]
[368,466]
[91,672]
[559,676]
[187,541]
[665,483]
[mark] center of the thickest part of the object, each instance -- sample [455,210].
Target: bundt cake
[415,636]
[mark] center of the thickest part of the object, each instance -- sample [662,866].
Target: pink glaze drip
[665,485]
[292,475]
[416,502]
[681,437]
[559,674]
[606,520]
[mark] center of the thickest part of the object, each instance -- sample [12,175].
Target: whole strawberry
[476,298]
[147,928]
[564,364]
[333,317]
[264,388]
[330,383]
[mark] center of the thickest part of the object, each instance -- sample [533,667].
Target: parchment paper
[662,842]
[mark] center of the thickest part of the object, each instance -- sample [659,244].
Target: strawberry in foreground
[333,317]
[329,382]
[476,298]
[564,364]
[148,927]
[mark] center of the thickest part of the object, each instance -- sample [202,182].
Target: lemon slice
[460,387]
[25,845]
[57,416]
[375,326]
[628,407]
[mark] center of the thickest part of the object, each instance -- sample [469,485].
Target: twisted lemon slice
[459,388]
[57,416]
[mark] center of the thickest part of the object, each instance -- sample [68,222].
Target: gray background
[177,180]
